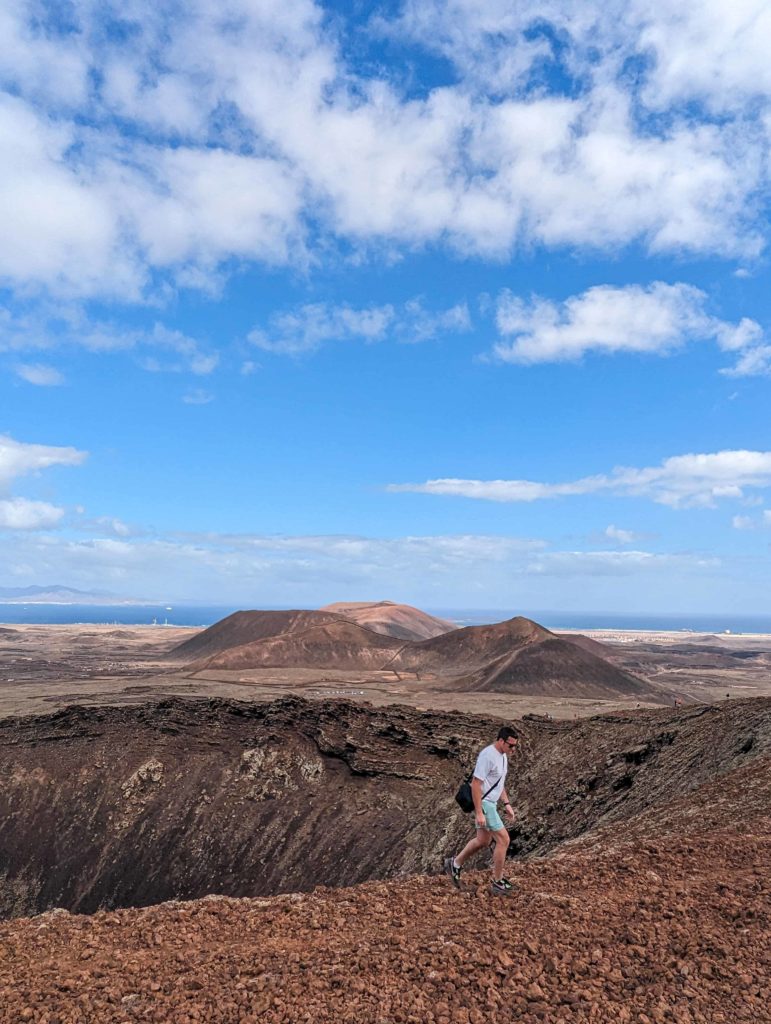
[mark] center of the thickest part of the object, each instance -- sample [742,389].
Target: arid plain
[43,668]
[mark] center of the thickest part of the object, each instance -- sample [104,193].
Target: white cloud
[198,397]
[309,327]
[743,522]
[755,362]
[192,360]
[698,50]
[19,459]
[419,324]
[109,525]
[68,326]
[682,481]
[60,227]
[657,319]
[615,533]
[22,514]
[258,571]
[39,374]
[501,490]
[209,205]
[241,133]
[615,563]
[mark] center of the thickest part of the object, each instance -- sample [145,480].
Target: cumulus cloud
[697,51]
[19,459]
[682,481]
[39,374]
[657,319]
[754,362]
[22,514]
[309,327]
[196,142]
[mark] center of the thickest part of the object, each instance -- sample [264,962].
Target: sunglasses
[511,743]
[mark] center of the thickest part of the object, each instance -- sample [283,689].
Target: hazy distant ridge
[56,594]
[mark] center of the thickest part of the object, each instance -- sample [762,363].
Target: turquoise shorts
[493,821]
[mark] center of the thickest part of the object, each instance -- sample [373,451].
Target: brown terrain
[307,835]
[383,617]
[516,656]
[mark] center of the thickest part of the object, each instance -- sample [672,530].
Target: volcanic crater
[130,806]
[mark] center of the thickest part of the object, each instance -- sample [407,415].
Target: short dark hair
[506,733]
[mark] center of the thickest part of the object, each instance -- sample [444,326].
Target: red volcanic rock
[583,939]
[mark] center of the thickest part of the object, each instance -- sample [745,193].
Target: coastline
[685,628]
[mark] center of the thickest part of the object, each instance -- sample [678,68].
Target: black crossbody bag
[463,797]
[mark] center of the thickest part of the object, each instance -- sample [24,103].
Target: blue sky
[458,304]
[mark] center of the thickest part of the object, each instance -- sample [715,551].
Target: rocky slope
[109,807]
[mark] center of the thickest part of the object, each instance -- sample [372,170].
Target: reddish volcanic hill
[467,648]
[519,656]
[399,620]
[516,656]
[246,627]
[337,643]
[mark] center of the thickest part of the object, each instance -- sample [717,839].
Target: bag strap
[470,779]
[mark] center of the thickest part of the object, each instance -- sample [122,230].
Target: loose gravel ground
[672,930]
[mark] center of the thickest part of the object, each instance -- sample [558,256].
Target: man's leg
[479,842]
[502,840]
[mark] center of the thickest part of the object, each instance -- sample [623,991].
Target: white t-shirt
[491,768]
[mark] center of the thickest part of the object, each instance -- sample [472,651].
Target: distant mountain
[56,594]
[391,619]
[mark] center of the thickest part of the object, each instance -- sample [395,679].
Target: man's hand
[481,819]
[510,812]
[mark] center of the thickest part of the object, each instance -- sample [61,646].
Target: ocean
[205,615]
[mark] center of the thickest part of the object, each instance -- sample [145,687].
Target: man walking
[487,788]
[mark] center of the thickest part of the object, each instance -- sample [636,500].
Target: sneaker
[452,871]
[501,888]
[507,884]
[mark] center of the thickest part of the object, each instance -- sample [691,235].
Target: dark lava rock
[111,807]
